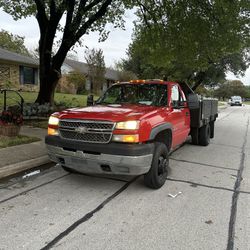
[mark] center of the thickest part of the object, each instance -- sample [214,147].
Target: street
[58,210]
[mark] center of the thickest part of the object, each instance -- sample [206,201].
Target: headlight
[53,121]
[128,125]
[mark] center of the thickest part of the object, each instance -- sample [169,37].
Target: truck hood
[114,112]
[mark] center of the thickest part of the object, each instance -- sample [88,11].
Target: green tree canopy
[194,41]
[13,42]
[77,79]
[231,88]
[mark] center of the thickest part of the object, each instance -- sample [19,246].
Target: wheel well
[165,137]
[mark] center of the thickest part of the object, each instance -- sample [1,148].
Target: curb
[22,166]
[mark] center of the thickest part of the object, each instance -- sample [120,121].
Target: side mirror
[175,105]
[179,104]
[90,100]
[183,104]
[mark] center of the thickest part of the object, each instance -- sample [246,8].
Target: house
[17,69]
[111,76]
[21,70]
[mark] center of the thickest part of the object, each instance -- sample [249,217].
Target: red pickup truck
[131,129]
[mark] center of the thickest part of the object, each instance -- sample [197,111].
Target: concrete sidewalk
[26,156]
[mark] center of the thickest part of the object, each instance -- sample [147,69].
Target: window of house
[28,75]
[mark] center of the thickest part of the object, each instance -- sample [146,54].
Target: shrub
[11,117]
[29,88]
[37,110]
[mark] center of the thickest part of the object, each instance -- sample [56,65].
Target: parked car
[131,129]
[235,101]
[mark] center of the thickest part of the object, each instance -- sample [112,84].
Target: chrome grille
[86,131]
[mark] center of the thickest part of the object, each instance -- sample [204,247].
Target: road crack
[231,230]
[87,216]
[31,189]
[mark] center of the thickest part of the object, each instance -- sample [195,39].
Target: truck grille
[86,131]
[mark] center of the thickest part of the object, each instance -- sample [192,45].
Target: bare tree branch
[79,14]
[100,13]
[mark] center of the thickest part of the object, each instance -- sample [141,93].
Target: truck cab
[130,130]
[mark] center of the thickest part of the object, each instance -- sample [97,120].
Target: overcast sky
[114,48]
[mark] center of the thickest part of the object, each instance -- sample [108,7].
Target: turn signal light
[52,131]
[126,138]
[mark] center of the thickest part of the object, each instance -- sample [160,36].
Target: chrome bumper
[100,163]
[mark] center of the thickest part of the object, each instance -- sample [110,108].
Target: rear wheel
[158,172]
[195,136]
[211,129]
[204,135]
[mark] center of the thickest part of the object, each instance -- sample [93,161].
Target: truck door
[180,116]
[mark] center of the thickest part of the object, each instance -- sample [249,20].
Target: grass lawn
[248,103]
[67,100]
[17,140]
[221,103]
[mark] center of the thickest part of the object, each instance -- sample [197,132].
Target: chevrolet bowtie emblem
[81,130]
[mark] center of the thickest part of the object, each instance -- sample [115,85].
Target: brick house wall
[9,73]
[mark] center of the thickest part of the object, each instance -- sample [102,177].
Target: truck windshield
[144,94]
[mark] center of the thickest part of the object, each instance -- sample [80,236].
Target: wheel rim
[162,166]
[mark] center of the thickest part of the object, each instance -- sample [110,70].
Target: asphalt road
[58,210]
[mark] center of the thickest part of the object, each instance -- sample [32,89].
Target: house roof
[83,68]
[9,56]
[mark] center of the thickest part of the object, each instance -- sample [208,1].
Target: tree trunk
[48,83]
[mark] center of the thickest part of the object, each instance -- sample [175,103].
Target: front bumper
[112,158]
[236,104]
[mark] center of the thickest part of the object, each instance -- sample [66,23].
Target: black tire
[204,135]
[157,175]
[195,136]
[69,170]
[211,129]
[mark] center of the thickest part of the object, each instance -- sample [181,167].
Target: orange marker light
[137,81]
[126,138]
[131,138]
[52,131]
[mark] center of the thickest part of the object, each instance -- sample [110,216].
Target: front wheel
[69,170]
[158,172]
